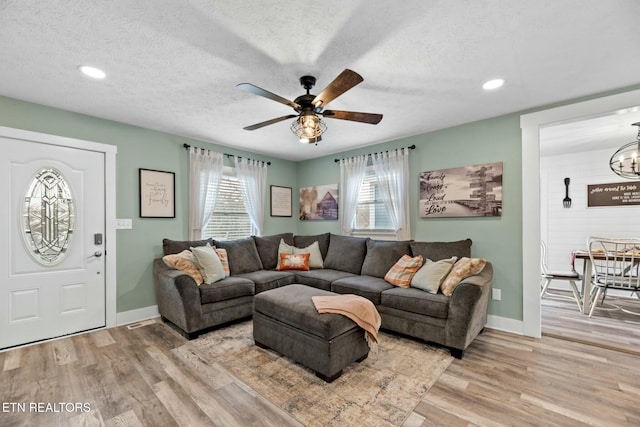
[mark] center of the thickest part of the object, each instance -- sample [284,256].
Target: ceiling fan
[308,126]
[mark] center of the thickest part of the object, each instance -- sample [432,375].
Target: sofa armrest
[468,309]
[178,297]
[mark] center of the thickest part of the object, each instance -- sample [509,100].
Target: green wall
[498,239]
[139,148]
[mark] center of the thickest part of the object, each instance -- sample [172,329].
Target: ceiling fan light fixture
[308,127]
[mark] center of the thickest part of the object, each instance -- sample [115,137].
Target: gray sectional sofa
[350,265]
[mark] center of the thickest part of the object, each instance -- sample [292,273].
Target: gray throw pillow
[346,253]
[382,255]
[242,254]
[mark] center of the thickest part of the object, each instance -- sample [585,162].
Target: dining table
[587,271]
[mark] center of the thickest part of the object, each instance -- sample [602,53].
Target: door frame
[530,125]
[109,152]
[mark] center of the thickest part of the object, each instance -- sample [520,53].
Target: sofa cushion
[381,256]
[432,274]
[176,246]
[465,267]
[265,280]
[416,301]
[320,279]
[267,247]
[346,253]
[242,254]
[226,289]
[436,251]
[304,241]
[365,286]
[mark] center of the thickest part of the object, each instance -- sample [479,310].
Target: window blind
[229,219]
[371,213]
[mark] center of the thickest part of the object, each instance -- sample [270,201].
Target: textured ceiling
[173,65]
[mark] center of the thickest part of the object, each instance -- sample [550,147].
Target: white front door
[52,231]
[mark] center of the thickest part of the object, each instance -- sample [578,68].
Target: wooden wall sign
[615,194]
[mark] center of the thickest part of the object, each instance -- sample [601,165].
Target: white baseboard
[131,316]
[505,324]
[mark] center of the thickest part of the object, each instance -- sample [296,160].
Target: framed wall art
[157,194]
[469,191]
[614,194]
[319,202]
[281,199]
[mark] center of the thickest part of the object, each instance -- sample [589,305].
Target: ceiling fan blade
[345,81]
[371,118]
[269,122]
[248,87]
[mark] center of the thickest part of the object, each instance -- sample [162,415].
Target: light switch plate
[124,224]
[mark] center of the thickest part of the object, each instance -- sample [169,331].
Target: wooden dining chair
[615,266]
[547,276]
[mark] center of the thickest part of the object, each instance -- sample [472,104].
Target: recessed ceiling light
[92,72]
[493,84]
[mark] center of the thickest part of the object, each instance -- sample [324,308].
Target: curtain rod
[411,147]
[187,146]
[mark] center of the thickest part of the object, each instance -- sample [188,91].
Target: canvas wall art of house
[319,202]
[462,192]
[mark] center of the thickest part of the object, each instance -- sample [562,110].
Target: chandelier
[308,127]
[624,162]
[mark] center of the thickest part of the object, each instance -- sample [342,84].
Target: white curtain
[205,172]
[351,174]
[252,175]
[392,173]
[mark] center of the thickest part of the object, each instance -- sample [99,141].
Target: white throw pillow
[208,263]
[432,274]
[284,249]
[315,258]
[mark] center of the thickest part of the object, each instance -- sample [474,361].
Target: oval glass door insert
[48,216]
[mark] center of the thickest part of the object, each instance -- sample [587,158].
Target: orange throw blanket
[357,308]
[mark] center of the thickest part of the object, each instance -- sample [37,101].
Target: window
[230,219]
[371,213]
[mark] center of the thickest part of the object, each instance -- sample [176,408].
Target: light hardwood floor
[133,377]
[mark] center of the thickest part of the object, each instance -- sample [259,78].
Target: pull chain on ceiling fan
[308,126]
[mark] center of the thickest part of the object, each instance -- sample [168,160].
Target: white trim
[530,125]
[137,315]
[505,324]
[110,203]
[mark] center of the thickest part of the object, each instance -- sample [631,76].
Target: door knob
[97,254]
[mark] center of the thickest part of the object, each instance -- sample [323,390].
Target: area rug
[383,390]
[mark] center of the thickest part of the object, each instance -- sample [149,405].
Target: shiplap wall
[567,229]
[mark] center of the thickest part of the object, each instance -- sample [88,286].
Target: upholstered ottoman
[285,320]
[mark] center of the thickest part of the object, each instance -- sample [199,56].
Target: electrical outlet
[496,294]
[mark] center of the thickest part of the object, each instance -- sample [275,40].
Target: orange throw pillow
[224,260]
[402,271]
[184,262]
[294,262]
